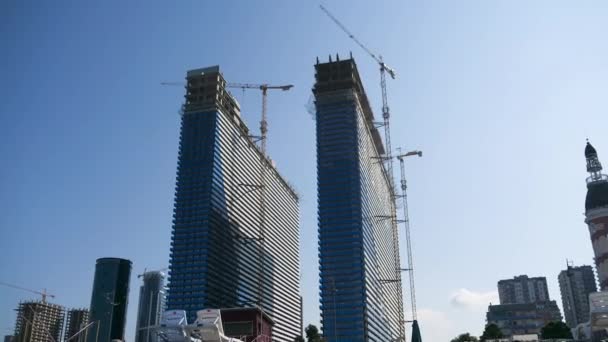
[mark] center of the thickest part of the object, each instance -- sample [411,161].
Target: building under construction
[361,294]
[235,237]
[76,320]
[39,321]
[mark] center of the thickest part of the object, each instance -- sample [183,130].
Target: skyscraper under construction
[225,250]
[361,296]
[77,319]
[39,321]
[151,305]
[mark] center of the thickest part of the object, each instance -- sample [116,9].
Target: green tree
[312,334]
[466,337]
[491,331]
[555,330]
[299,339]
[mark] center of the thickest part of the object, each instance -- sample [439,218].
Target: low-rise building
[523,319]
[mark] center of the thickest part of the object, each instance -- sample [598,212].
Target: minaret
[596,213]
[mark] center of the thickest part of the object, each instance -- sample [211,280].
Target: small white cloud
[472,300]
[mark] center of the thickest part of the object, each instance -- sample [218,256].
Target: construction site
[76,320]
[39,321]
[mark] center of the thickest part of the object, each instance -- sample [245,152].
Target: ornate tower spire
[594,167]
[596,213]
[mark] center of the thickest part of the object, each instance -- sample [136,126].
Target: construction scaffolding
[39,321]
[75,321]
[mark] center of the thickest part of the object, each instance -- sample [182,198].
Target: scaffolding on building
[76,319]
[39,321]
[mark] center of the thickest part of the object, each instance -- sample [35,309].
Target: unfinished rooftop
[334,77]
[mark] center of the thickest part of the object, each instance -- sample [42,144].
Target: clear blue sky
[500,96]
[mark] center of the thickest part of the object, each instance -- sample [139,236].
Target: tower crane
[406,220]
[384,69]
[44,294]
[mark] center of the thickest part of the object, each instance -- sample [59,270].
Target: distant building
[109,299]
[360,280]
[9,338]
[522,290]
[523,319]
[39,322]
[575,284]
[76,320]
[151,306]
[596,213]
[235,236]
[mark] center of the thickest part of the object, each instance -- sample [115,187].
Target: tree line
[492,332]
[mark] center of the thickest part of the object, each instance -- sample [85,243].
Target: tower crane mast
[406,221]
[263,135]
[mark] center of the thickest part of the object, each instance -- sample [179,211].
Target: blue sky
[500,96]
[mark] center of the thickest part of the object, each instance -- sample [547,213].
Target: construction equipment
[384,69]
[406,221]
[410,260]
[44,294]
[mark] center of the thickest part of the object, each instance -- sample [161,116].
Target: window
[238,328]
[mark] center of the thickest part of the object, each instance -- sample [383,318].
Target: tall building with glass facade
[218,258]
[360,281]
[109,300]
[151,305]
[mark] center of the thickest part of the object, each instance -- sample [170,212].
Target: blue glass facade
[360,292]
[216,256]
[109,299]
